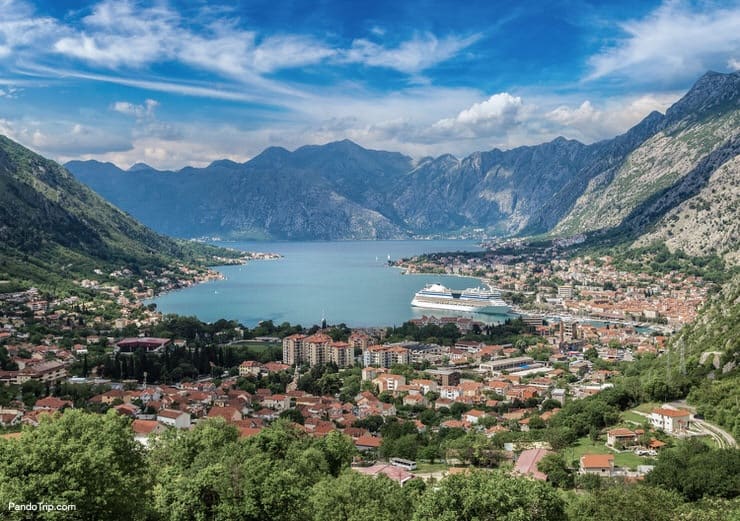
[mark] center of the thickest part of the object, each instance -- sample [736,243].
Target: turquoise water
[346,281]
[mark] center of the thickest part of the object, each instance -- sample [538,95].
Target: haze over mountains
[643,180]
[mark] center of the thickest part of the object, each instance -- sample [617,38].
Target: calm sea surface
[346,281]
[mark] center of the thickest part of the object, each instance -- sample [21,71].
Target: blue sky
[176,83]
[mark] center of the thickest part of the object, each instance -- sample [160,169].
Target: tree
[557,471]
[88,460]
[493,496]
[354,497]
[338,450]
[695,470]
[626,503]
[293,415]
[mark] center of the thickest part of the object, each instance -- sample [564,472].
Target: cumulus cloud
[494,116]
[589,123]
[677,41]
[733,64]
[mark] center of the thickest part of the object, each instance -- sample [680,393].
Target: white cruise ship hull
[454,304]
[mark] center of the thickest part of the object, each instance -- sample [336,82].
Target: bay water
[343,281]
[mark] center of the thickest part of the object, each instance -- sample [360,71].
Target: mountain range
[644,182]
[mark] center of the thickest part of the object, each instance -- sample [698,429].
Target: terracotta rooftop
[526,465]
[597,461]
[673,413]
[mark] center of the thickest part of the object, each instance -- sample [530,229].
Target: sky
[173,83]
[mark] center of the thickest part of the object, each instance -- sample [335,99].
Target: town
[435,396]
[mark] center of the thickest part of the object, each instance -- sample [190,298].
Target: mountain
[53,227]
[628,184]
[334,191]
[690,157]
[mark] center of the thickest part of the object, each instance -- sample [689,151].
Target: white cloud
[146,110]
[20,28]
[733,64]
[589,123]
[677,41]
[286,51]
[411,56]
[120,33]
[54,139]
[9,92]
[494,116]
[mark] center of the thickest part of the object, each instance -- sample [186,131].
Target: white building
[173,418]
[671,421]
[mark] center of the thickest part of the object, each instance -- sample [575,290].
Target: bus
[403,463]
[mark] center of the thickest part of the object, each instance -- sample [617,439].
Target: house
[415,400]
[10,417]
[228,413]
[473,416]
[443,402]
[127,409]
[51,403]
[397,474]
[364,443]
[620,437]
[173,418]
[598,464]
[389,382]
[526,464]
[672,421]
[279,402]
[250,368]
[143,429]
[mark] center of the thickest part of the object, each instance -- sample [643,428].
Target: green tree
[88,460]
[354,497]
[626,503]
[557,471]
[491,496]
[695,470]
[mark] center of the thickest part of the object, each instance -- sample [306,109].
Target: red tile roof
[597,461]
[526,465]
[673,413]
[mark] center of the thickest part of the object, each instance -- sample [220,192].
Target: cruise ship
[474,300]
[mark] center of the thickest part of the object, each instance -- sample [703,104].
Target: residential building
[174,418]
[620,437]
[526,463]
[147,344]
[672,421]
[503,364]
[598,464]
[250,368]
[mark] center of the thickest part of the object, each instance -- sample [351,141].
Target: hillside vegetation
[53,228]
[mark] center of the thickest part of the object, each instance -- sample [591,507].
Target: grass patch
[257,347]
[587,446]
[632,417]
[430,467]
[648,407]
[629,460]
